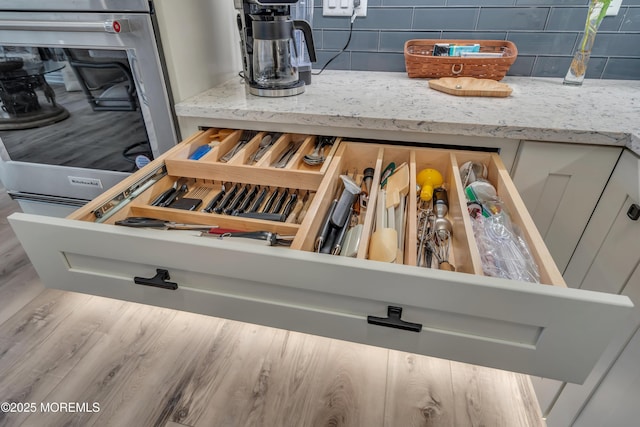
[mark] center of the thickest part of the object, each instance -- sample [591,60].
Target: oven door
[83,102]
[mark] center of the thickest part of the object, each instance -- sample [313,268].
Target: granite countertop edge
[602,112]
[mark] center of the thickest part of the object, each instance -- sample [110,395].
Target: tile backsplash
[545,32]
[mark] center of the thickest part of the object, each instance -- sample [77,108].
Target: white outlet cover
[343,8]
[614,7]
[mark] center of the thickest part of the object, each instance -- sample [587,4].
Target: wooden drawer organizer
[324,184]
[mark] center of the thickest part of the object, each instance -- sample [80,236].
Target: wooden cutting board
[470,86]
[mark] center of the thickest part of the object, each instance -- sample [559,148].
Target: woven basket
[420,62]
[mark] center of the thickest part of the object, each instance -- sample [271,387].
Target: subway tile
[445,19]
[567,19]
[474,35]
[622,68]
[523,66]
[377,62]
[513,18]
[480,3]
[317,39]
[611,23]
[416,3]
[552,2]
[618,44]
[360,40]
[393,41]
[342,62]
[337,22]
[544,43]
[551,66]
[631,20]
[385,19]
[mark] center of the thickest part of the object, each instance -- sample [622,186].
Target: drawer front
[547,331]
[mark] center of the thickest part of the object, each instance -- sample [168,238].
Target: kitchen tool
[143,222]
[352,241]
[295,212]
[397,189]
[316,158]
[279,203]
[305,207]
[216,199]
[286,155]
[344,206]
[428,179]
[472,172]
[382,245]
[182,189]
[441,208]
[471,86]
[258,202]
[368,178]
[325,228]
[265,143]
[386,173]
[270,55]
[247,135]
[192,202]
[244,205]
[288,207]
[204,149]
[440,247]
[270,201]
[267,237]
[341,233]
[239,197]
[425,227]
[228,197]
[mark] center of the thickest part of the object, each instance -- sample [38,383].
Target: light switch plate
[614,7]
[343,8]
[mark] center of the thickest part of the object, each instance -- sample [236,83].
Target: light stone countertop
[605,112]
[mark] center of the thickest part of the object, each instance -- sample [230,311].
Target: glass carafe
[273,53]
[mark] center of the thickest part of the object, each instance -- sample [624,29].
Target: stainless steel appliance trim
[276,92]
[77,5]
[104,26]
[47,199]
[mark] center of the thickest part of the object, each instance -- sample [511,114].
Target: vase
[578,68]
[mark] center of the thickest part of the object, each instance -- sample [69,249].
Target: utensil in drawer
[216,199]
[247,135]
[192,202]
[269,238]
[288,207]
[270,201]
[143,222]
[349,193]
[341,233]
[440,208]
[325,229]
[244,205]
[227,199]
[316,158]
[287,155]
[237,200]
[204,149]
[258,202]
[279,203]
[266,143]
[183,189]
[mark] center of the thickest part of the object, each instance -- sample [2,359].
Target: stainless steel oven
[83,99]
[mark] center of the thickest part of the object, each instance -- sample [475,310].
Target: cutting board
[470,86]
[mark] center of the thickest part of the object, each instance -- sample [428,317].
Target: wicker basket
[420,62]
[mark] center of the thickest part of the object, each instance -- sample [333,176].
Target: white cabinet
[606,259]
[560,185]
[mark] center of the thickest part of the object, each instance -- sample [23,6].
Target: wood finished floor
[147,366]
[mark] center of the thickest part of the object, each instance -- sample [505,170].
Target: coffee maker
[269,52]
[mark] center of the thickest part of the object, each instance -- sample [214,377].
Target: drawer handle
[634,212]
[394,320]
[159,280]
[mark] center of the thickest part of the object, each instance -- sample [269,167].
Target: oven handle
[114,26]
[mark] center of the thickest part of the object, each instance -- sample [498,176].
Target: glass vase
[578,68]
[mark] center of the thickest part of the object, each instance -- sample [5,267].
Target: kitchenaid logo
[88,182]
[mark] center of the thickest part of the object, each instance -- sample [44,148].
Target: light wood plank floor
[148,366]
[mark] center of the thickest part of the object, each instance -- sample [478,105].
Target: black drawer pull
[159,280]
[394,320]
[634,212]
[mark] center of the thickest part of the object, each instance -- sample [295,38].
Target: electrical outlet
[614,7]
[343,8]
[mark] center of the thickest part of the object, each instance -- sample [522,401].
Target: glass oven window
[71,107]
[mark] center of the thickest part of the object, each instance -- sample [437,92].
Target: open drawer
[544,329]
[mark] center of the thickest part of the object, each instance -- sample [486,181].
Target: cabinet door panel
[560,185]
[607,259]
[545,330]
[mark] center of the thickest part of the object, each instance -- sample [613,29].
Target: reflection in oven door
[83,103]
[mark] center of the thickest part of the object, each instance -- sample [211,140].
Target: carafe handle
[302,25]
